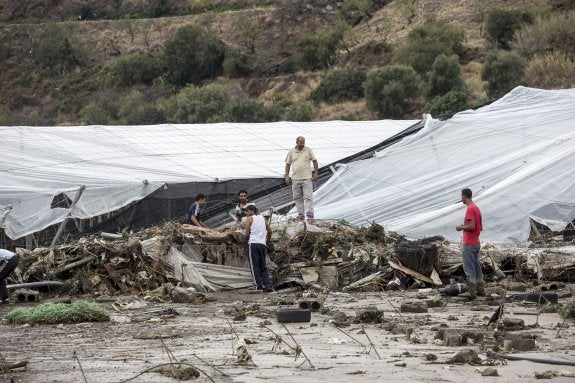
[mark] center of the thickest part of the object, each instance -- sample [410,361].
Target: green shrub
[445,76]
[235,63]
[450,103]
[388,90]
[93,114]
[192,55]
[340,85]
[249,111]
[551,71]
[134,110]
[196,105]
[57,49]
[503,71]
[300,111]
[501,25]
[53,313]
[134,69]
[321,49]
[425,43]
[547,34]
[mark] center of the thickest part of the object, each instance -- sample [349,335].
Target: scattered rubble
[159,275]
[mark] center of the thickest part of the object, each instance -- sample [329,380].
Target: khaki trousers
[303,197]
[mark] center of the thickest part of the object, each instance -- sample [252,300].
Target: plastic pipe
[35,284]
[493,354]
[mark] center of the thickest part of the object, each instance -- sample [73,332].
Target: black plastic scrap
[493,354]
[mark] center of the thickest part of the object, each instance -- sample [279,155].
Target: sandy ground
[115,352]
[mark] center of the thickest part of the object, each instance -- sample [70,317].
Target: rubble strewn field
[377,311]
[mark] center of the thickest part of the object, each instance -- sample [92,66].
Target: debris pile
[326,255]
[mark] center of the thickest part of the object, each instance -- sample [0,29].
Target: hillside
[109,62]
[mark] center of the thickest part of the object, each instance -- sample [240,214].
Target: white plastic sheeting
[517,155]
[121,164]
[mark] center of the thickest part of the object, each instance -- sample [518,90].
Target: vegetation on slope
[135,62]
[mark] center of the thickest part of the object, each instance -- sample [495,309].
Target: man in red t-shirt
[471,228]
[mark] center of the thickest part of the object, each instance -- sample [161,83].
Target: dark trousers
[257,259]
[6,267]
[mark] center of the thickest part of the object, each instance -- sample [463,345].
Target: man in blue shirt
[194,211]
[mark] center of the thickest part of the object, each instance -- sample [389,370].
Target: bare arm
[197,222]
[469,227]
[286,174]
[315,171]
[249,221]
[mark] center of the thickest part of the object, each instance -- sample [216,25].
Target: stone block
[26,295]
[519,344]
[513,324]
[413,307]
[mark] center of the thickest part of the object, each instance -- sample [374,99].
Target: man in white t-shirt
[298,159]
[258,233]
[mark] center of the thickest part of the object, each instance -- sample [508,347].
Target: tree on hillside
[340,85]
[57,49]
[501,25]
[388,90]
[425,43]
[503,71]
[192,55]
[445,76]
[321,48]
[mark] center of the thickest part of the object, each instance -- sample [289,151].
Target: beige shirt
[299,162]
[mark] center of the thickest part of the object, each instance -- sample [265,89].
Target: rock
[413,307]
[519,344]
[513,324]
[516,286]
[489,371]
[369,315]
[240,317]
[183,295]
[435,302]
[452,339]
[465,356]
[340,319]
[430,357]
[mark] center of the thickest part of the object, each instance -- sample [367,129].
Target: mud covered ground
[116,352]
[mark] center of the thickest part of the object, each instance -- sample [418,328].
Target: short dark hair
[252,207]
[467,193]
[200,196]
[242,191]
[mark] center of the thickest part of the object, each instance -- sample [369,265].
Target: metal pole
[63,224]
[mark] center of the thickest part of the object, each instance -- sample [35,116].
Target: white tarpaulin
[202,276]
[121,164]
[517,155]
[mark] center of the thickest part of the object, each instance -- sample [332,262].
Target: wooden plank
[414,274]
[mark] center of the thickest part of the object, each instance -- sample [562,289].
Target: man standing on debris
[8,262]
[258,234]
[471,228]
[241,206]
[194,215]
[298,159]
